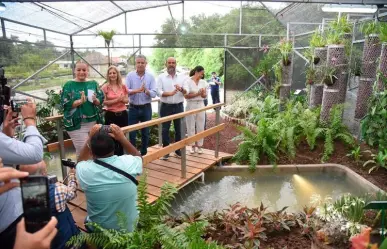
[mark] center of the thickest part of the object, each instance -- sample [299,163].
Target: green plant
[317,40]
[285,47]
[255,145]
[242,107]
[335,130]
[309,124]
[341,25]
[374,125]
[378,160]
[108,37]
[370,28]
[355,154]
[265,109]
[310,74]
[329,73]
[334,37]
[351,207]
[383,32]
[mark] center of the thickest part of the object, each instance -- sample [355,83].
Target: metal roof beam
[367,2]
[117,6]
[33,26]
[107,19]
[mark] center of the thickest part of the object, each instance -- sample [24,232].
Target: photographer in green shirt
[82,101]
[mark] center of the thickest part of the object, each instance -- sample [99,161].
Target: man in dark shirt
[214,84]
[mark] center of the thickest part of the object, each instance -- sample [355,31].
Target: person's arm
[86,151]
[65,193]
[159,89]
[217,81]
[119,135]
[152,88]
[125,98]
[7,174]
[106,101]
[189,95]
[132,91]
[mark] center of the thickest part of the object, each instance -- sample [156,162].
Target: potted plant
[329,78]
[317,41]
[371,29]
[341,25]
[285,47]
[310,74]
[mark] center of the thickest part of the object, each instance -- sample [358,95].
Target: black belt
[139,106]
[172,104]
[117,113]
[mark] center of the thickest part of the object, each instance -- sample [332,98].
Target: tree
[108,36]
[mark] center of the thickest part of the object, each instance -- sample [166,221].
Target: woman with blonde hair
[81,99]
[116,96]
[196,93]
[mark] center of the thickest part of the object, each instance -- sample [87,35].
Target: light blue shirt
[12,151]
[134,81]
[108,192]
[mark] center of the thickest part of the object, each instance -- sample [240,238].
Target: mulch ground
[304,155]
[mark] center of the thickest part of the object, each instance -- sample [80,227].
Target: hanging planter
[286,61]
[330,80]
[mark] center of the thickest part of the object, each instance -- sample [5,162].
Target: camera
[17,103]
[106,128]
[69,163]
[5,93]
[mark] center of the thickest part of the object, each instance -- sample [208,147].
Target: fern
[308,123]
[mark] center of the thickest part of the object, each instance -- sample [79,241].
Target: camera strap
[121,172]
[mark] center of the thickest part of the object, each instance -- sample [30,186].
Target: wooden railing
[158,121]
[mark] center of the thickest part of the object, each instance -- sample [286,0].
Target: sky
[144,21]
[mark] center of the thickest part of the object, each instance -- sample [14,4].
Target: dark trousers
[120,119]
[166,110]
[215,96]
[140,113]
[205,119]
[8,236]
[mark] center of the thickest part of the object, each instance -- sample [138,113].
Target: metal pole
[139,43]
[383,219]
[287,31]
[126,24]
[39,71]
[240,19]
[62,152]
[183,150]
[72,54]
[160,126]
[217,135]
[30,95]
[224,68]
[3,28]
[44,36]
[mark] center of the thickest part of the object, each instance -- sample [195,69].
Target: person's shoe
[200,151]
[192,150]
[178,154]
[165,158]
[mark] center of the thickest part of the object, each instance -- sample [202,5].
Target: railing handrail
[56,117]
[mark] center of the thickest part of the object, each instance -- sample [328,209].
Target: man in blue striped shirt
[142,88]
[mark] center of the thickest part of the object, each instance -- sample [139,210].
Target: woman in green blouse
[81,100]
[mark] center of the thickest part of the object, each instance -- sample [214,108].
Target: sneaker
[178,154]
[164,157]
[200,151]
[192,150]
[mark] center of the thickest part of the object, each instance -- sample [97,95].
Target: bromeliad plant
[285,47]
[379,160]
[317,40]
[329,73]
[355,154]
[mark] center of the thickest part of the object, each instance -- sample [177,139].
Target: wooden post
[183,150]
[217,136]
[62,152]
[160,126]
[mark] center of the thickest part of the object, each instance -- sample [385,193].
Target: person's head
[197,72]
[140,63]
[113,75]
[102,145]
[81,70]
[213,74]
[171,65]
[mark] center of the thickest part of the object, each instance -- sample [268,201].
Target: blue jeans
[215,96]
[140,113]
[166,110]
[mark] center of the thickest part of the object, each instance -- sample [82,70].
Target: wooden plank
[79,199]
[55,146]
[191,164]
[157,121]
[79,216]
[169,171]
[158,182]
[156,191]
[195,159]
[223,155]
[177,166]
[175,146]
[166,177]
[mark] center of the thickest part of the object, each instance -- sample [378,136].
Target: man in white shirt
[170,89]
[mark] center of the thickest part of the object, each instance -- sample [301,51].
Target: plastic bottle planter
[316,95]
[331,97]
[371,53]
[342,85]
[383,66]
[336,55]
[364,93]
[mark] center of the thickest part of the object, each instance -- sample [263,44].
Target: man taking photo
[108,180]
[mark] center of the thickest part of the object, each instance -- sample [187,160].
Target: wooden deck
[159,172]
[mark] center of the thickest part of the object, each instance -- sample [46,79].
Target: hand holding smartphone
[36,205]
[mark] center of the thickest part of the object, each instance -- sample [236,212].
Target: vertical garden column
[371,52]
[316,90]
[287,74]
[383,68]
[334,91]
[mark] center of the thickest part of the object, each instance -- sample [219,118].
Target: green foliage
[351,207]
[285,47]
[255,145]
[242,107]
[374,125]
[107,36]
[383,32]
[266,109]
[317,40]
[372,27]
[355,154]
[378,160]
[335,130]
[268,61]
[309,126]
[160,55]
[341,25]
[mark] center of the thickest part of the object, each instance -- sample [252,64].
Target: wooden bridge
[177,171]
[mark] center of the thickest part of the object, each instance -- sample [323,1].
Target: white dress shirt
[166,83]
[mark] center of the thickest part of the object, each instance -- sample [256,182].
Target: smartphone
[35,200]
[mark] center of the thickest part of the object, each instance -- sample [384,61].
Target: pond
[275,190]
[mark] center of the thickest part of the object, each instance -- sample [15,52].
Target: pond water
[275,190]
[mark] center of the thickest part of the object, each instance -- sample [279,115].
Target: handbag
[121,172]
